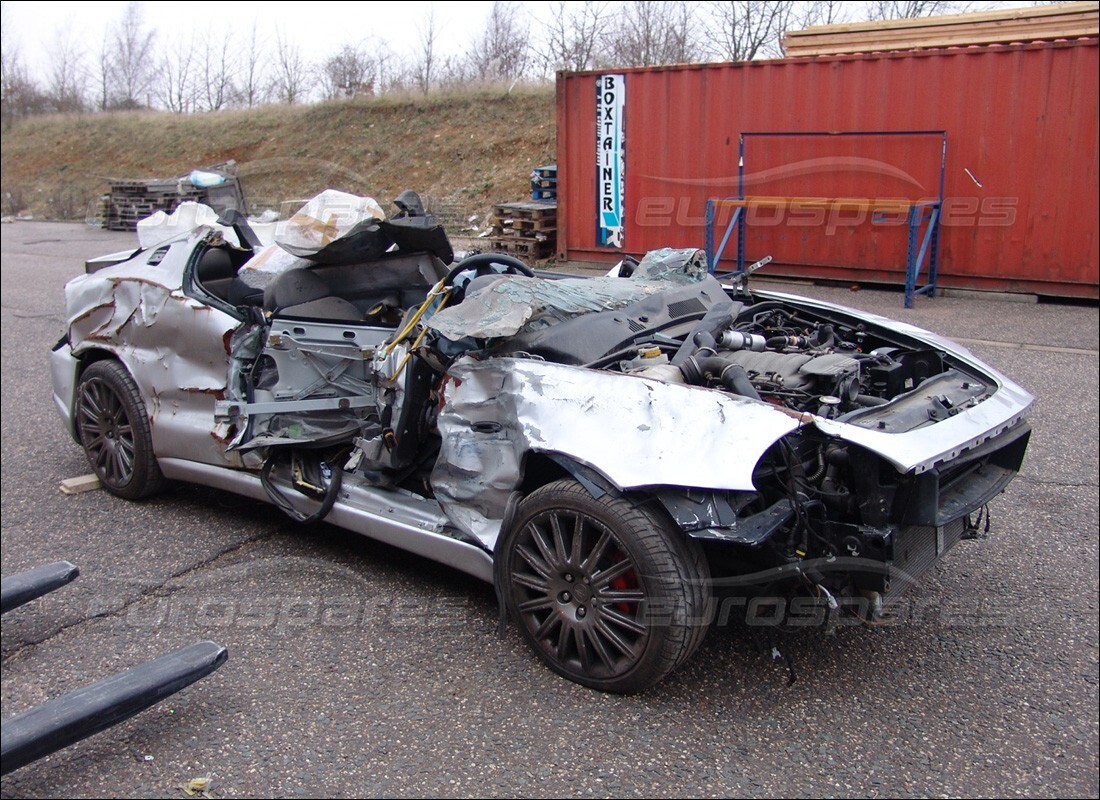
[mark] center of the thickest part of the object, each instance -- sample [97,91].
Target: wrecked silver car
[612,453]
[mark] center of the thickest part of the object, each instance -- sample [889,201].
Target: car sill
[363,510]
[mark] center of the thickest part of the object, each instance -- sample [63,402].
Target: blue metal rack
[921,249]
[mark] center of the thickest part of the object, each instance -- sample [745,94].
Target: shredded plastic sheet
[160,227]
[186,217]
[267,265]
[669,264]
[324,219]
[510,304]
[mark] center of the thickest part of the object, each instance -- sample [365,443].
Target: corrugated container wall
[1020,187]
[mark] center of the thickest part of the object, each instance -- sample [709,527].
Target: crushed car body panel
[635,432]
[173,344]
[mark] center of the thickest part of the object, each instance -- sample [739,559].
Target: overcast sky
[320,28]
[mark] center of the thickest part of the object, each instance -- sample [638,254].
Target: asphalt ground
[357,670]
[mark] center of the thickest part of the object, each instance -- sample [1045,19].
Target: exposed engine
[804,362]
[826,363]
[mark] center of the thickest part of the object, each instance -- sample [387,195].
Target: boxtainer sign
[610,158]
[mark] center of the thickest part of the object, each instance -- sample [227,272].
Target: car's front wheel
[114,430]
[606,591]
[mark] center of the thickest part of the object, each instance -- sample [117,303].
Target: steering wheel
[480,265]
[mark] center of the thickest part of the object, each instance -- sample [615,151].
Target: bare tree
[573,35]
[911,9]
[390,74]
[20,96]
[11,76]
[177,80]
[821,12]
[649,33]
[218,65]
[502,51]
[680,44]
[67,79]
[741,31]
[102,74]
[455,71]
[424,68]
[802,15]
[131,59]
[348,73]
[292,72]
[251,78]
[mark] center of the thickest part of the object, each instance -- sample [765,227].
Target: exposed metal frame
[231,408]
[919,249]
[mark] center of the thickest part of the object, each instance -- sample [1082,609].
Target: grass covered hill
[462,151]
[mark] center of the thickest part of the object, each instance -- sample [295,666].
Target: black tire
[607,592]
[114,430]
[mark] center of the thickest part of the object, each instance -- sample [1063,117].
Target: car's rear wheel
[606,591]
[114,430]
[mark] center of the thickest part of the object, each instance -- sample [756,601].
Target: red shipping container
[1020,186]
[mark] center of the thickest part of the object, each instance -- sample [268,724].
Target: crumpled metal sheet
[101,309]
[245,344]
[636,432]
[110,310]
[513,303]
[139,312]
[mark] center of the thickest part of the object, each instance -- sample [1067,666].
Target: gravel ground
[358,670]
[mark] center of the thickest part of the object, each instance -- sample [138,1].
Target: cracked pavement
[358,670]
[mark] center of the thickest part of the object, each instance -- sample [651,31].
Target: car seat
[303,293]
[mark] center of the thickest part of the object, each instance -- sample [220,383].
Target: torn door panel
[635,432]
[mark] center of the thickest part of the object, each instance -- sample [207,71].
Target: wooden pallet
[132,200]
[528,228]
[532,248]
[544,183]
[538,236]
[530,209]
[524,227]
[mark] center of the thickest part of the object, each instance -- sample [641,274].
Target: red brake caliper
[628,580]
